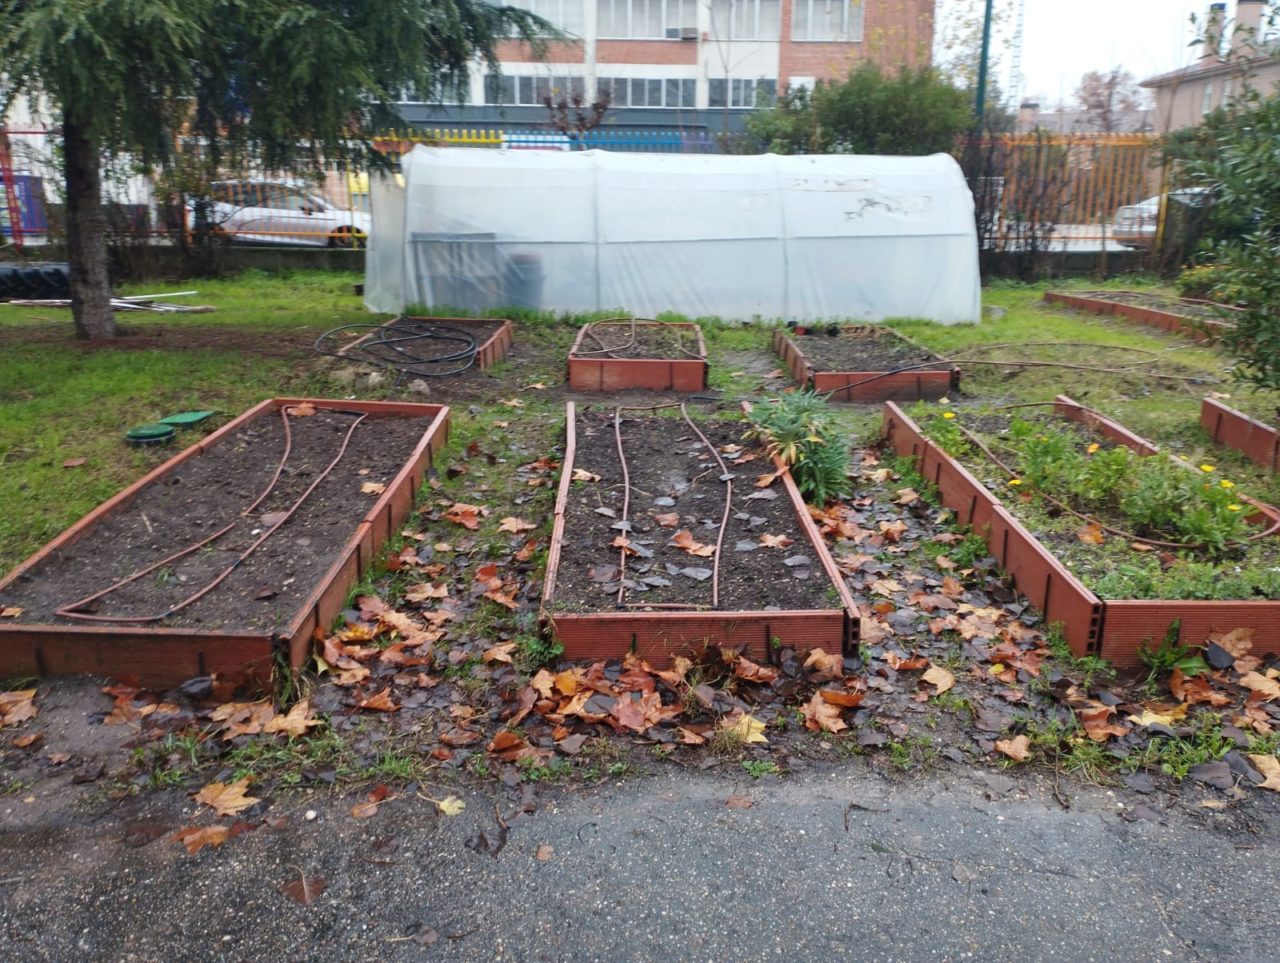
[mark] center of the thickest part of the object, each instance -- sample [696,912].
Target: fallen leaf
[74,462]
[907,496]
[582,475]
[296,722]
[745,728]
[25,742]
[373,488]
[684,540]
[536,386]
[304,890]
[739,802]
[511,402]
[304,410]
[226,799]
[940,677]
[515,525]
[364,810]
[422,591]
[17,705]
[450,805]
[1238,641]
[544,852]
[775,541]
[1268,688]
[744,668]
[468,516]
[196,838]
[10,612]
[379,702]
[1091,534]
[821,716]
[1160,715]
[1018,748]
[1269,766]
[668,519]
[824,665]
[500,653]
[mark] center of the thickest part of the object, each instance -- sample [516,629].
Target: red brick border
[161,657]
[493,350]
[657,636]
[1113,628]
[587,373]
[923,385]
[1256,440]
[1206,331]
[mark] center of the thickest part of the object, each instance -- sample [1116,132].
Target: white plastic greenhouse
[739,237]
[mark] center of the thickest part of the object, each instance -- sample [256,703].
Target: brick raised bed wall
[596,373]
[1256,440]
[163,657]
[866,386]
[1198,330]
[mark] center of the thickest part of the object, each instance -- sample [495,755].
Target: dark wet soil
[671,472]
[862,348]
[653,340]
[210,491]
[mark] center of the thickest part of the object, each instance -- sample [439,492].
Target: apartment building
[1238,54]
[685,63]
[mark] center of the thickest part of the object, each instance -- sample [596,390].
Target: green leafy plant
[797,428]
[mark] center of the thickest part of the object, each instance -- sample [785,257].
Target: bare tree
[1106,97]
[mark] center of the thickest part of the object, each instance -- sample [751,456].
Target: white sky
[1064,38]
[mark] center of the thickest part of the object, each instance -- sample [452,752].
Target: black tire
[346,238]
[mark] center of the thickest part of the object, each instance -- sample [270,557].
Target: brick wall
[647,52]
[895,32]
[520,52]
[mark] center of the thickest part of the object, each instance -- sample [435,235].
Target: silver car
[270,212]
[1135,225]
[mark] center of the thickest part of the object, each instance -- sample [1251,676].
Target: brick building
[690,64]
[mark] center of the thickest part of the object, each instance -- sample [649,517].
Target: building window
[565,14]
[644,92]
[745,19]
[1226,91]
[646,19]
[506,90]
[1206,102]
[839,20]
[449,96]
[741,93]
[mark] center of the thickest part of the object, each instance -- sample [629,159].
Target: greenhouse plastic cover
[739,237]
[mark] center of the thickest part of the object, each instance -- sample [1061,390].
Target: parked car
[1135,225]
[271,212]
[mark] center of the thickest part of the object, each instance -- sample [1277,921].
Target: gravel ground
[833,862]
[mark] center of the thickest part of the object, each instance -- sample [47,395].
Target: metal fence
[1048,190]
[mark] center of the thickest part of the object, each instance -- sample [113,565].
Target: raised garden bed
[655,355]
[1256,440]
[1115,628]
[401,341]
[754,592]
[861,363]
[1186,316]
[351,469]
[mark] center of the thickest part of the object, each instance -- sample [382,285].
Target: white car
[1136,224]
[269,212]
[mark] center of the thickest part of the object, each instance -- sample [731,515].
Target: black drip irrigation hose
[400,346]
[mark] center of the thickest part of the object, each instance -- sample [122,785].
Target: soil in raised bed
[427,357]
[1114,562]
[207,492]
[663,341]
[860,348]
[672,472]
[1186,308]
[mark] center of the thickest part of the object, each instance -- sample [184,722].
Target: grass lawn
[67,400]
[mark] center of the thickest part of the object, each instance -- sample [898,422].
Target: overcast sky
[1064,38]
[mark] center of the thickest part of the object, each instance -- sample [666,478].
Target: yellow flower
[948,414]
[1015,481]
[1092,448]
[1233,508]
[1207,468]
[1227,484]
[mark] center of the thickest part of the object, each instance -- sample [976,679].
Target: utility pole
[981,108]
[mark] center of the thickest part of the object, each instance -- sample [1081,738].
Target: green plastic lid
[184,419]
[156,434]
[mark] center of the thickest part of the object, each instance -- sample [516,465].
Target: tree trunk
[86,233]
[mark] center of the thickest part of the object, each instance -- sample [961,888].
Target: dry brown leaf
[775,541]
[744,668]
[582,475]
[16,706]
[468,516]
[1018,748]
[544,852]
[364,810]
[10,611]
[824,666]
[842,697]
[226,799]
[1091,534]
[502,652]
[668,519]
[515,525]
[821,715]
[27,741]
[304,410]
[907,496]
[379,702]
[1269,766]
[1196,690]
[196,838]
[304,890]
[422,591]
[1268,688]
[739,802]
[684,540]
[764,481]
[296,722]
[373,488]
[940,677]
[1238,642]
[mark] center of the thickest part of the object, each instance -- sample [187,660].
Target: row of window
[668,92]
[833,20]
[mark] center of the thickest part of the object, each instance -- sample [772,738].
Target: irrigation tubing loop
[401,345]
[71,611]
